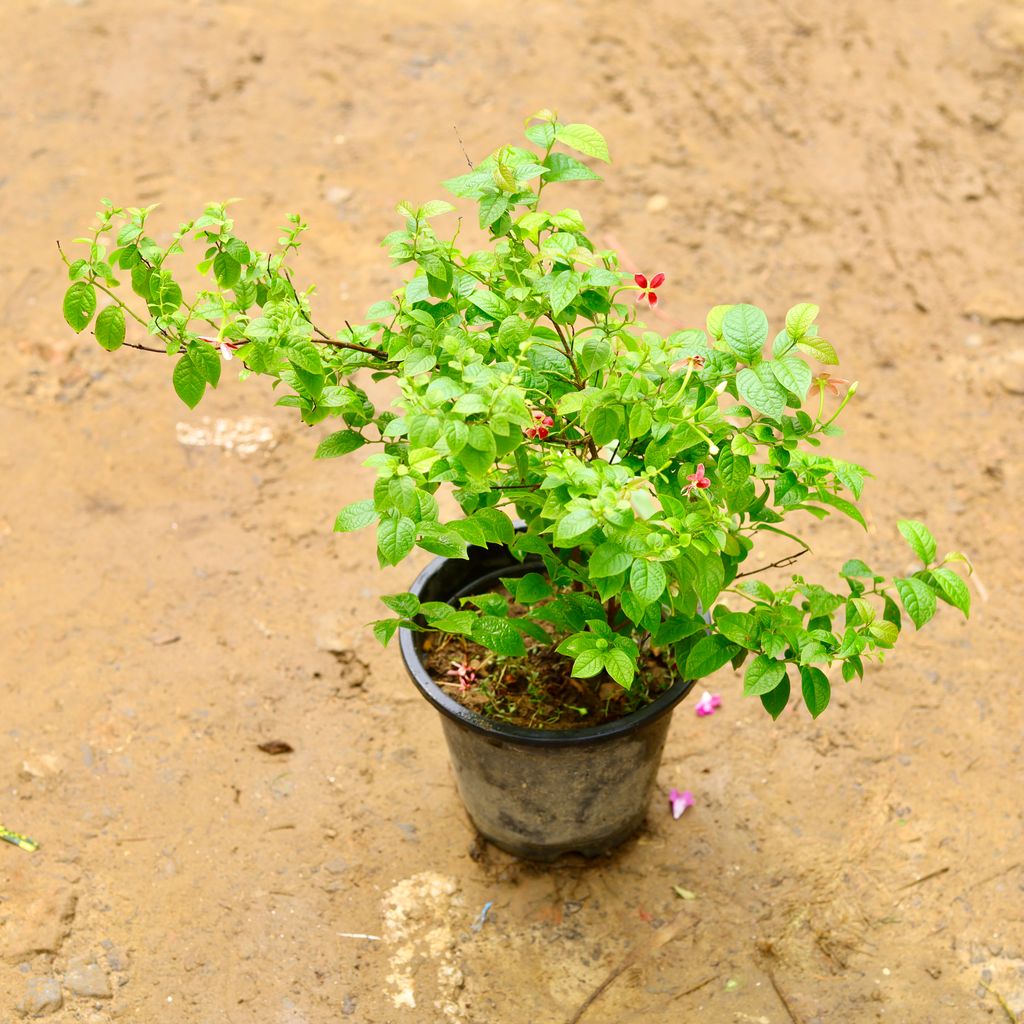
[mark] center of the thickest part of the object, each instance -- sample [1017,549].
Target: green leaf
[531,588]
[110,328]
[355,516]
[919,538]
[206,359]
[640,419]
[846,507]
[565,286]
[226,269]
[952,589]
[799,318]
[588,663]
[189,383]
[497,634]
[407,605]
[918,600]
[385,629]
[396,536]
[164,293]
[794,375]
[419,360]
[708,655]
[816,689]
[604,424]
[493,206]
[761,391]
[584,139]
[79,305]
[714,321]
[775,701]
[733,470]
[763,675]
[434,208]
[757,589]
[608,560]
[739,627]
[496,524]
[857,569]
[745,330]
[493,305]
[710,574]
[820,349]
[562,167]
[340,443]
[305,356]
[480,451]
[574,525]
[647,580]
[620,667]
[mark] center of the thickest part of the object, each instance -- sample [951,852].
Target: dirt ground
[171,594]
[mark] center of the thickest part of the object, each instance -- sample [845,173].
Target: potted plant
[613,481]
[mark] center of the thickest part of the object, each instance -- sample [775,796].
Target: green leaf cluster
[644,467]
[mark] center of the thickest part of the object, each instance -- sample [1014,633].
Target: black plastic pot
[539,793]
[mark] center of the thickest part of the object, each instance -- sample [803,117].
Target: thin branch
[143,348]
[924,878]
[567,350]
[780,564]
[462,145]
[782,998]
[326,339]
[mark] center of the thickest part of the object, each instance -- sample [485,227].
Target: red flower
[541,426]
[647,288]
[826,380]
[697,480]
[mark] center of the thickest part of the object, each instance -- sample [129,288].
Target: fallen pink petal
[679,801]
[708,704]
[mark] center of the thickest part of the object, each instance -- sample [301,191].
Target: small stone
[337,866]
[117,959]
[42,997]
[41,927]
[337,195]
[348,1006]
[86,978]
[332,636]
[657,203]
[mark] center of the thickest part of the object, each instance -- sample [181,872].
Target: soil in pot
[537,691]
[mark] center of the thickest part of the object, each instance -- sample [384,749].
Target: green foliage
[644,467]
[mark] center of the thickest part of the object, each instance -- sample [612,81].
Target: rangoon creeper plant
[644,467]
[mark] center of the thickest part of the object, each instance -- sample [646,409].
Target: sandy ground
[167,605]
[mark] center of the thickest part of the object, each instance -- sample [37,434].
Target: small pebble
[85,977]
[42,997]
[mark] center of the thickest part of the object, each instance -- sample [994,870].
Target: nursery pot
[539,793]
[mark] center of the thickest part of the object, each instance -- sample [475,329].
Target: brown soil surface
[171,595]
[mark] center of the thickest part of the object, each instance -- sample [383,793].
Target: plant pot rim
[451,708]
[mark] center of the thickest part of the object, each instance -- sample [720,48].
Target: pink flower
[697,481]
[708,704]
[541,426]
[463,673]
[227,348]
[647,288]
[826,380]
[680,801]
